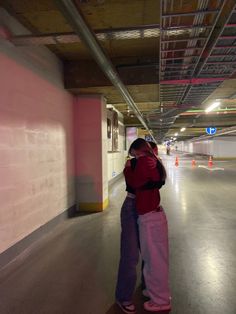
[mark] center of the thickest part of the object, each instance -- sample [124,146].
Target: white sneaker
[153,307]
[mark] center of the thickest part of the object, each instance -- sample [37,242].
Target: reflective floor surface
[73,269]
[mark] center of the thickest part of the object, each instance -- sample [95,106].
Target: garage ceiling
[176,57]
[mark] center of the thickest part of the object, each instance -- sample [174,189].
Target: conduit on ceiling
[75,19]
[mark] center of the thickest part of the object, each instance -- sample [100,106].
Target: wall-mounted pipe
[75,19]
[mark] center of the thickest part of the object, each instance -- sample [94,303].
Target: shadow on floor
[74,213]
[139,299]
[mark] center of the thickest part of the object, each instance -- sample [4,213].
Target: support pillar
[90,122]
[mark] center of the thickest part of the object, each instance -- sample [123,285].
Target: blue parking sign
[211,130]
[148,138]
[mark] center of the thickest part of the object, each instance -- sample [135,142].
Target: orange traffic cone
[193,163]
[176,161]
[210,162]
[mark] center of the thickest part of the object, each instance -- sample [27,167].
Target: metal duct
[75,19]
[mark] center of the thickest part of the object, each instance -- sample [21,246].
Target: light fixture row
[212,106]
[181,130]
[209,109]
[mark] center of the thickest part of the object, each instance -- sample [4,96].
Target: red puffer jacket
[145,171]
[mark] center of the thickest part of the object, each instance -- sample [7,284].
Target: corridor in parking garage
[80,82]
[74,268]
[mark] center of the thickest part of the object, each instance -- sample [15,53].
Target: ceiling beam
[87,73]
[79,74]
[221,19]
[152,30]
[76,20]
[193,81]
[101,34]
[193,13]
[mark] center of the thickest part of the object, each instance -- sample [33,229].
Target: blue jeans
[129,252]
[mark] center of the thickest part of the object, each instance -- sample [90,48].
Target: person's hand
[151,163]
[128,163]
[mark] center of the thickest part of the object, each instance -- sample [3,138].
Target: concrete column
[91,153]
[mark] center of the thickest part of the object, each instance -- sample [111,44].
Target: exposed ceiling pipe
[75,19]
[192,81]
[195,70]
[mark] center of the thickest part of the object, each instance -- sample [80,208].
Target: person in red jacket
[130,245]
[153,230]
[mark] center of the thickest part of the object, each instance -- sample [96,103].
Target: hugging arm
[150,185]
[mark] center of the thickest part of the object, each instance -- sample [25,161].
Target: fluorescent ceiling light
[109,106]
[213,106]
[182,129]
[176,134]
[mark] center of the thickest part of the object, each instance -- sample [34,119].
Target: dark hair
[161,169]
[153,144]
[140,144]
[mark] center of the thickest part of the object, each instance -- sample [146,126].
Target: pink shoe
[153,307]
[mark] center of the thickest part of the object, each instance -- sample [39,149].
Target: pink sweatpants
[153,233]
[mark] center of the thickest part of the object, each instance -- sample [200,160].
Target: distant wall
[219,147]
[224,146]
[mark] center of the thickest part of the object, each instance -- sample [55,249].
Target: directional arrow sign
[211,130]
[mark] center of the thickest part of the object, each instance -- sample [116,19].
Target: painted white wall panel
[218,147]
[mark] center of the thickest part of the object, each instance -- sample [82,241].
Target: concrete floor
[73,269]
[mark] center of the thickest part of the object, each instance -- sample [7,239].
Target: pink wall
[91,149]
[36,151]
